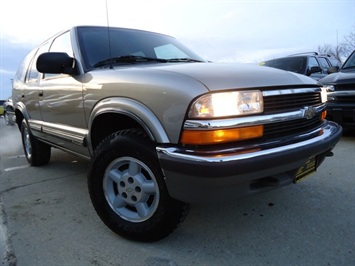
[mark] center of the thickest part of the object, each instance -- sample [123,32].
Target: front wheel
[128,191]
[37,153]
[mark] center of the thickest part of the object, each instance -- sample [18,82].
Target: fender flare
[133,109]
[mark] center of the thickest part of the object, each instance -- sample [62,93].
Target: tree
[342,50]
[335,51]
[349,43]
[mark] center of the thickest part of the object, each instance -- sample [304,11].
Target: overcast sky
[221,31]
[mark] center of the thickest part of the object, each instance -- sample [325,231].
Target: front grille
[342,99]
[346,87]
[291,127]
[290,102]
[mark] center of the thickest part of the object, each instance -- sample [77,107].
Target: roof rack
[314,53]
[327,55]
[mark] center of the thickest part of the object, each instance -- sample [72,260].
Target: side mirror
[56,63]
[333,69]
[314,69]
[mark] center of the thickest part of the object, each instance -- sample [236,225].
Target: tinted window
[312,62]
[350,62]
[334,62]
[95,47]
[294,64]
[323,63]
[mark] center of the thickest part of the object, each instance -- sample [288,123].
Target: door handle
[40,93]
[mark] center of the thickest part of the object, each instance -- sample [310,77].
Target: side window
[23,68]
[312,62]
[61,44]
[334,62]
[32,72]
[323,63]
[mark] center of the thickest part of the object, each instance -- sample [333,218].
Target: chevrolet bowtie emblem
[309,112]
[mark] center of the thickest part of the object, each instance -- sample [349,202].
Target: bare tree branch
[342,50]
[349,43]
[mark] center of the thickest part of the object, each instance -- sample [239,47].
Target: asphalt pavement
[46,218]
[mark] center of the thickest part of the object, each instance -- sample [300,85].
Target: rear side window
[334,62]
[32,74]
[323,63]
[22,69]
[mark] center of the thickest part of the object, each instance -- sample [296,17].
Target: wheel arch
[21,113]
[114,114]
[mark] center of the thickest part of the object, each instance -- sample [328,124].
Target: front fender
[136,111]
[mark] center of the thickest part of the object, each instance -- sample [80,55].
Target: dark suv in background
[341,94]
[311,64]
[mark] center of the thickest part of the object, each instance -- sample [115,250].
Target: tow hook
[329,154]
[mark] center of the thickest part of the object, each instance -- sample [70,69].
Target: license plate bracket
[308,168]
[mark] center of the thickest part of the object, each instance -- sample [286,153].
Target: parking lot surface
[47,219]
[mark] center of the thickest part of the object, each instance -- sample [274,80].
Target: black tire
[128,191]
[37,153]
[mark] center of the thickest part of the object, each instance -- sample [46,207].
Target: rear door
[27,93]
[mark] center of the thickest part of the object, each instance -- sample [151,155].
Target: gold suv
[163,127]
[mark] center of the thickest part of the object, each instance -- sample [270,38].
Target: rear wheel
[37,153]
[8,119]
[128,191]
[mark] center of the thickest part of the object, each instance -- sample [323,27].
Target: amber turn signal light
[324,114]
[205,137]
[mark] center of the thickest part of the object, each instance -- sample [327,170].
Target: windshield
[350,62]
[293,64]
[125,44]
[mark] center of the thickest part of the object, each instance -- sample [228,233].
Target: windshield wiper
[183,60]
[128,59]
[349,67]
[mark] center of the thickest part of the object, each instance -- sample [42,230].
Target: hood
[342,77]
[219,76]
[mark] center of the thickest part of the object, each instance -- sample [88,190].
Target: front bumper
[223,177]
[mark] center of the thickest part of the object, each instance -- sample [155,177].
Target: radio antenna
[109,37]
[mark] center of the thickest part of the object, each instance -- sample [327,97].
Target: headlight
[329,88]
[224,104]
